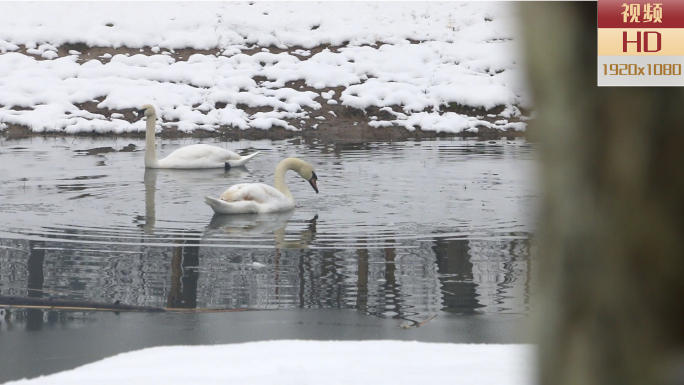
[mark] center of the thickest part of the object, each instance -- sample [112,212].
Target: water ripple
[399,230]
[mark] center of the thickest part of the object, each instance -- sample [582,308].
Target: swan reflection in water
[183,178]
[254,225]
[185,252]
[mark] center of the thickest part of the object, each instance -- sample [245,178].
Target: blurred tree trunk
[611,275]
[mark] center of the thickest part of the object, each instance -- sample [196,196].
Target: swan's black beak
[141,113]
[312,182]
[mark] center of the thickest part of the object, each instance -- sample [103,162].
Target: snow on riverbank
[310,362]
[258,65]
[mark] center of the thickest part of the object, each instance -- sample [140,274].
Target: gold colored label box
[640,43]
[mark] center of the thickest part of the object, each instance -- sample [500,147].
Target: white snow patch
[462,59]
[377,124]
[517,126]
[49,55]
[311,362]
[510,111]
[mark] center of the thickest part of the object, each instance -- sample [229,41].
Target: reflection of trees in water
[36,278]
[184,275]
[485,275]
[501,270]
[317,277]
[468,276]
[392,298]
[387,277]
[362,278]
[384,281]
[377,289]
[455,271]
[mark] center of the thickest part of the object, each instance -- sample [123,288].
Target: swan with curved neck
[247,198]
[193,156]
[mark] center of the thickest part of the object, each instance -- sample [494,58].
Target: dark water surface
[400,231]
[65,340]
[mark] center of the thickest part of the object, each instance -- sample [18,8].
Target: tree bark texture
[611,270]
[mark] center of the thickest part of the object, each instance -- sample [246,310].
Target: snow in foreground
[309,362]
[409,59]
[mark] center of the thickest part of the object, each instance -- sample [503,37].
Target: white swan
[247,198]
[193,156]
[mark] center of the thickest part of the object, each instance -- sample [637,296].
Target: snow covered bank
[310,362]
[80,67]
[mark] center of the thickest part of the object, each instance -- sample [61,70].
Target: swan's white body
[193,156]
[248,198]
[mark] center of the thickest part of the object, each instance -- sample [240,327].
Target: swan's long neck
[281,169]
[150,142]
